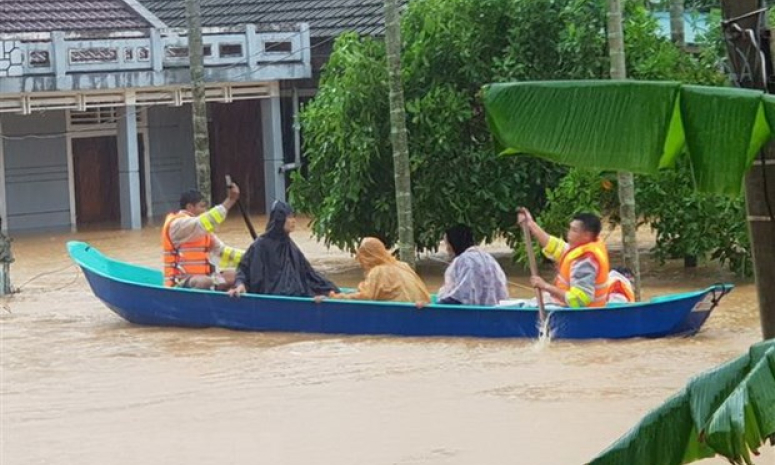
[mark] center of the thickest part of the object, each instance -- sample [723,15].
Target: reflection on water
[80,385]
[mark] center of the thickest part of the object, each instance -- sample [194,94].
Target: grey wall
[171,155]
[36,179]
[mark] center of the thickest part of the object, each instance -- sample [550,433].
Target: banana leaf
[729,411]
[636,126]
[724,128]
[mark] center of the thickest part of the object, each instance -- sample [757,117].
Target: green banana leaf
[637,126]
[729,410]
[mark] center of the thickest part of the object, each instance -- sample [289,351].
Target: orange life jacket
[188,259]
[598,251]
[618,286]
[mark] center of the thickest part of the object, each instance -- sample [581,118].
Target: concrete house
[95,121]
[327,19]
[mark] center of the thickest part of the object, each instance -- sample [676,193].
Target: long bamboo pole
[531,257]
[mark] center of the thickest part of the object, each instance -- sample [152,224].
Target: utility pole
[748,57]
[198,105]
[6,258]
[401,167]
[626,180]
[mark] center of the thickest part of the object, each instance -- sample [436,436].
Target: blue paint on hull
[135,293]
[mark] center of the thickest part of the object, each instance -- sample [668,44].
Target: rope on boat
[46,273]
[718,293]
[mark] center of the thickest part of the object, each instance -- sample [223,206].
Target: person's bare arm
[185,229]
[232,198]
[524,217]
[557,294]
[552,247]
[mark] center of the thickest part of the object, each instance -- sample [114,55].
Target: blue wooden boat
[136,294]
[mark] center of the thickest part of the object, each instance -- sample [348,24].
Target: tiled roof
[327,18]
[67,15]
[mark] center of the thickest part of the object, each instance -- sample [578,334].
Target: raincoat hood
[275,228]
[372,252]
[273,264]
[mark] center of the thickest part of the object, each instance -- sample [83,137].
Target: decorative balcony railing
[62,54]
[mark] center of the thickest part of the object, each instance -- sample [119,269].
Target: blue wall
[171,154]
[36,182]
[695,25]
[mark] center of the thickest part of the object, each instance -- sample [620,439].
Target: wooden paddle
[242,210]
[531,256]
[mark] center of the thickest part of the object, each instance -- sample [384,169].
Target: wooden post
[198,105]
[401,167]
[749,70]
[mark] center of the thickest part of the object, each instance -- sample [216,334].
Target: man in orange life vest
[191,248]
[582,262]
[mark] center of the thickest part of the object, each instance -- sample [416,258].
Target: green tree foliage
[451,48]
[652,57]
[580,191]
[687,223]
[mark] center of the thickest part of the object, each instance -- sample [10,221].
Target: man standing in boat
[192,250]
[582,262]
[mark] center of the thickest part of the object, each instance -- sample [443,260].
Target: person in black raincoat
[273,264]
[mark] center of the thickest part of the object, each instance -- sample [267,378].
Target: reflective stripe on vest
[598,251]
[620,287]
[188,259]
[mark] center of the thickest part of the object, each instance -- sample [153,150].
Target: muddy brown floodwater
[79,385]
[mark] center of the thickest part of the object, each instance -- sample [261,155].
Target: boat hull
[129,292]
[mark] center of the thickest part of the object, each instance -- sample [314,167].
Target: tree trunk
[401,169]
[760,180]
[677,23]
[198,105]
[626,181]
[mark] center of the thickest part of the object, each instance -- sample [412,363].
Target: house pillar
[272,135]
[3,206]
[129,168]
[6,257]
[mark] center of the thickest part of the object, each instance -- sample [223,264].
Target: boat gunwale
[76,249]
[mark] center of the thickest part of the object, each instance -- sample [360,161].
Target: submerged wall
[36,176]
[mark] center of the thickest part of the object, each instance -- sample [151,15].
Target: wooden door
[236,149]
[95,165]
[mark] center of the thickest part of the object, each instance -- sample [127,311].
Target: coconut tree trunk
[677,23]
[760,180]
[198,105]
[402,174]
[626,181]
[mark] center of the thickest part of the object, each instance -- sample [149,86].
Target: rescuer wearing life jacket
[194,257]
[582,262]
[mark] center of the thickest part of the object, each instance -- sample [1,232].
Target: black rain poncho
[273,264]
